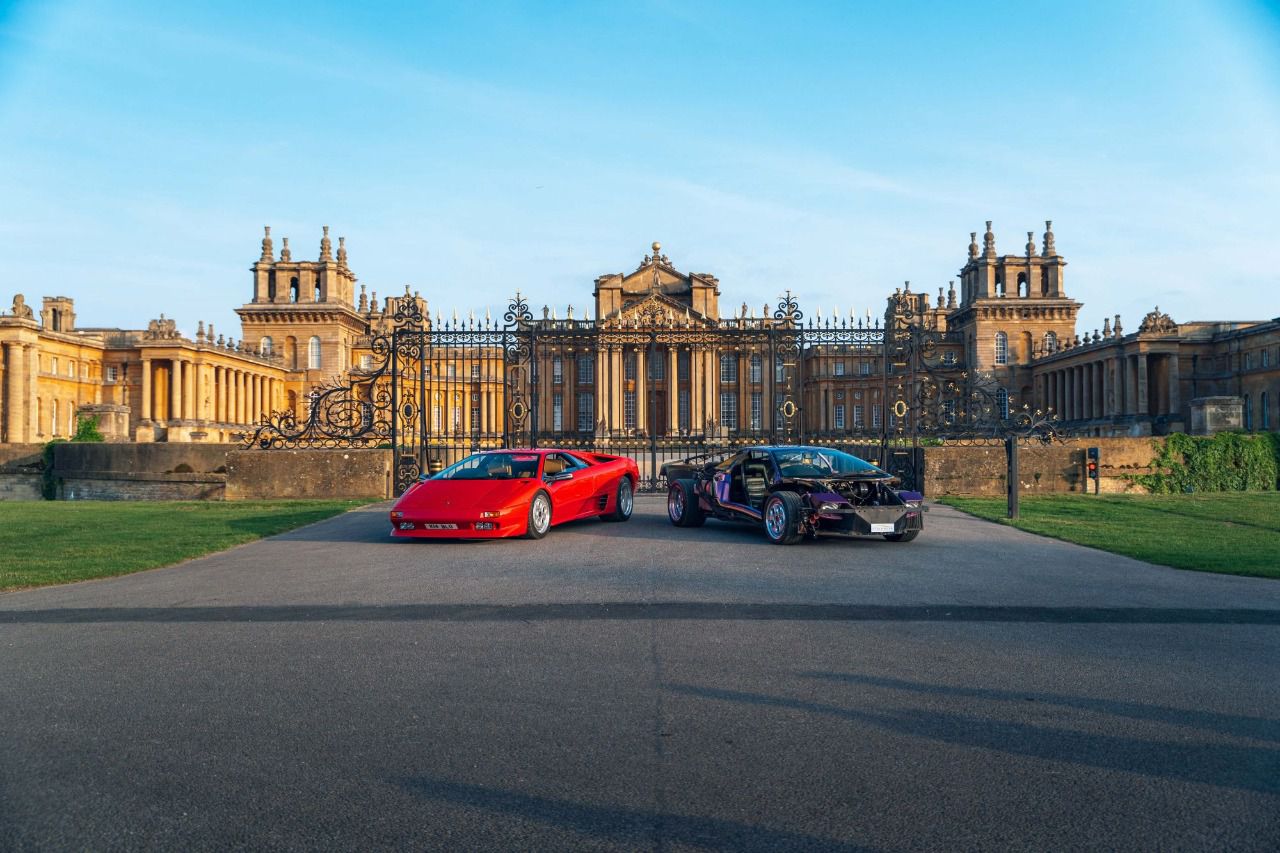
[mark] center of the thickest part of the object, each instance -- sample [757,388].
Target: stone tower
[1013,308]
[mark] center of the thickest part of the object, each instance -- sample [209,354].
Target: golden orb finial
[657,247]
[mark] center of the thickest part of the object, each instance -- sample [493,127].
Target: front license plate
[882,528]
[445,526]
[406,525]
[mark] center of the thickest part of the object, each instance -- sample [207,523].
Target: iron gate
[659,388]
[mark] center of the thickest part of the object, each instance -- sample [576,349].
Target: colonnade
[206,392]
[21,369]
[1115,386]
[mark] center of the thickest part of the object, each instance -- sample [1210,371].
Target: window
[1264,403]
[682,409]
[457,418]
[629,366]
[1266,358]
[629,409]
[113,374]
[53,364]
[949,412]
[53,418]
[839,415]
[779,370]
[1050,342]
[266,346]
[1002,402]
[728,368]
[586,412]
[71,370]
[293,289]
[435,419]
[875,416]
[475,413]
[840,367]
[864,368]
[757,411]
[682,366]
[949,358]
[657,366]
[475,371]
[557,412]
[451,371]
[557,371]
[857,415]
[84,371]
[1248,361]
[586,370]
[754,375]
[729,410]
[366,362]
[313,353]
[1002,348]
[1248,413]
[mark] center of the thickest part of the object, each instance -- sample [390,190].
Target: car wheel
[902,537]
[624,503]
[782,518]
[682,505]
[539,516]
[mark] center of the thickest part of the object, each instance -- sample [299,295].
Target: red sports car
[501,493]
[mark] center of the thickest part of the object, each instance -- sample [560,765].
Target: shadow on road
[640,827]
[1248,768]
[1258,728]
[643,611]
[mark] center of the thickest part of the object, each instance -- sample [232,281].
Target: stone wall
[141,486]
[71,459]
[16,456]
[19,487]
[1055,468]
[264,474]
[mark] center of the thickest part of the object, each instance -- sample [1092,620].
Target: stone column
[146,389]
[14,378]
[175,389]
[1143,392]
[219,394]
[1175,386]
[242,395]
[673,390]
[642,388]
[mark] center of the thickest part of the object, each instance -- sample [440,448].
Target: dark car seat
[755,481]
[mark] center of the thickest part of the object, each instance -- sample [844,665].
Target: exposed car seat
[755,481]
[554,465]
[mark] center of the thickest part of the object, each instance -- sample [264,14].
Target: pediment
[658,309]
[656,277]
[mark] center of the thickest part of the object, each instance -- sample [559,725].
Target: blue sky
[470,149]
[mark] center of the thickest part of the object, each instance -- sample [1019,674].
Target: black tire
[539,524]
[682,505]
[624,502]
[782,518]
[906,536]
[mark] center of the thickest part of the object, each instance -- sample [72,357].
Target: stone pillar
[219,394]
[14,378]
[642,389]
[146,389]
[242,395]
[1175,386]
[1143,405]
[175,389]
[673,390]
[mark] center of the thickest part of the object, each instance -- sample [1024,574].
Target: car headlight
[489,514]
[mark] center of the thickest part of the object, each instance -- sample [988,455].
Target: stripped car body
[794,493]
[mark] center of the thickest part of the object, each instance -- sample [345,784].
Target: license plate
[882,528]
[406,525]
[440,526]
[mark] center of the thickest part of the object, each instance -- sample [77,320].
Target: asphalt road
[637,686]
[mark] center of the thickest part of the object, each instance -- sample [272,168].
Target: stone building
[616,377]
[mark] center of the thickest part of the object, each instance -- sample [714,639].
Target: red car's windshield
[492,466]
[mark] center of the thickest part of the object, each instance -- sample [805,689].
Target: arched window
[1002,403]
[1050,343]
[271,286]
[317,294]
[293,289]
[1002,348]
[313,353]
[999,286]
[267,346]
[1024,290]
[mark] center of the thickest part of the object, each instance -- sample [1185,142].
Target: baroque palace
[306,328]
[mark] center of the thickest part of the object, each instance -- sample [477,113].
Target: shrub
[87,430]
[1226,462]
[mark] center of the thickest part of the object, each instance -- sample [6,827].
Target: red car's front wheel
[539,516]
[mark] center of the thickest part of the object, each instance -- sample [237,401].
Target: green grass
[1234,533]
[50,542]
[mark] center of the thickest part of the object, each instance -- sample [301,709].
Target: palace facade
[306,328]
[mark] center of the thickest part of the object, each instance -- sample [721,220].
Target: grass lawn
[1235,533]
[49,542]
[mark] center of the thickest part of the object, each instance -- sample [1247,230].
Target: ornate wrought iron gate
[659,389]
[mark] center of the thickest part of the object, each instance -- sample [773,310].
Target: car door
[570,490]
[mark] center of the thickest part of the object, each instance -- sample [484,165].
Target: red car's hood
[464,496]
